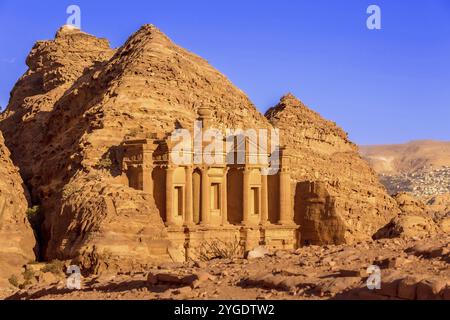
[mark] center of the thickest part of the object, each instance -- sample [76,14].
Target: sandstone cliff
[80,99]
[77,102]
[348,189]
[50,126]
[53,68]
[16,236]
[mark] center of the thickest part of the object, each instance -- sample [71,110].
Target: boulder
[407,226]
[445,225]
[407,288]
[429,289]
[257,253]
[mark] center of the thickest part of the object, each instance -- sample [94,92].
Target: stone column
[147,179]
[189,207]
[147,167]
[169,196]
[285,197]
[224,202]
[206,205]
[197,196]
[264,200]
[245,195]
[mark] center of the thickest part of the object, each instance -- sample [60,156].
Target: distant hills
[420,167]
[408,157]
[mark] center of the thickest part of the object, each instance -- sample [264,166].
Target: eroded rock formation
[349,192]
[80,100]
[17,240]
[416,219]
[71,110]
[53,125]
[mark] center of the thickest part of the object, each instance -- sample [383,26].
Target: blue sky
[382,86]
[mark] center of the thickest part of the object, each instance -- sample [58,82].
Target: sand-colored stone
[66,131]
[17,240]
[408,226]
[416,219]
[74,111]
[277,276]
[50,126]
[340,185]
[408,204]
[231,197]
[439,203]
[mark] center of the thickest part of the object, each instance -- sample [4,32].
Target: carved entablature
[161,154]
[138,153]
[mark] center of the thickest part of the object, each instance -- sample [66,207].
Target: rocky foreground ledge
[410,269]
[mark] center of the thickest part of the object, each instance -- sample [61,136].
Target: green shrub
[28,275]
[56,267]
[33,212]
[25,284]
[67,191]
[104,163]
[35,217]
[219,249]
[14,281]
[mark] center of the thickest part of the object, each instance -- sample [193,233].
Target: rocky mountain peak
[322,155]
[290,100]
[87,99]
[67,29]
[291,110]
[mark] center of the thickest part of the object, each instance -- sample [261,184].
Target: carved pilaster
[189,208]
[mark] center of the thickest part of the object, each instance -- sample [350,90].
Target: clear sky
[382,86]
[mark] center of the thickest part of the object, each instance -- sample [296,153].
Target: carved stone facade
[224,201]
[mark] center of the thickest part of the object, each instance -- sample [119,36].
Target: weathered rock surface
[257,253]
[53,127]
[439,207]
[439,203]
[53,68]
[407,226]
[16,236]
[80,100]
[344,201]
[409,204]
[410,269]
[416,218]
[77,102]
